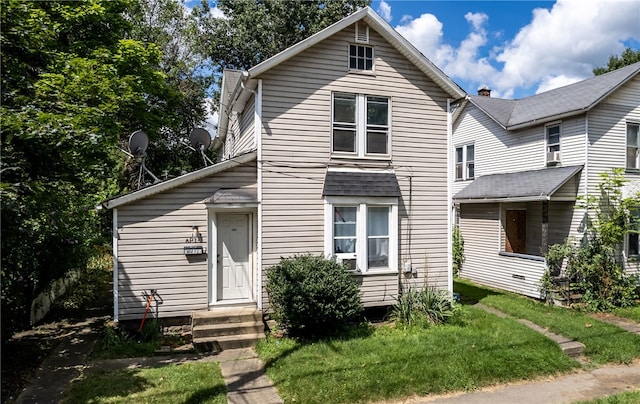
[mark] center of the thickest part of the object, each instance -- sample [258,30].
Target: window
[364,234]
[553,143]
[465,167]
[360,57]
[633,239]
[633,144]
[360,124]
[516,231]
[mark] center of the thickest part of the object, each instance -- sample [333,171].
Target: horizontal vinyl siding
[151,236]
[378,290]
[296,143]
[480,228]
[246,139]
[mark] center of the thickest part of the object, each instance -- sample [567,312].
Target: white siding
[296,151]
[151,237]
[480,227]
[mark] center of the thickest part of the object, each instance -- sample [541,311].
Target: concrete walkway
[242,371]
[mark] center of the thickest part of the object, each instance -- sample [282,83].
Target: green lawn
[629,397]
[632,313]
[477,349]
[604,343]
[183,383]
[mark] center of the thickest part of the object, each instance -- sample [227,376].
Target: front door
[234,257]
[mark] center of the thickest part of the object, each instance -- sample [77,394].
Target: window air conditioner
[553,157]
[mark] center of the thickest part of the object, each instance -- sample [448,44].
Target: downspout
[586,161]
[115,264]
[257,131]
[449,195]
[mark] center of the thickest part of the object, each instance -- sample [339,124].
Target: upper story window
[465,162]
[360,125]
[553,143]
[633,145]
[360,57]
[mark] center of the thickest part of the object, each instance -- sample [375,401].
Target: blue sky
[517,48]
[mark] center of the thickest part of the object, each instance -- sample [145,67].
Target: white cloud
[217,13]
[567,42]
[384,9]
[550,82]
[425,33]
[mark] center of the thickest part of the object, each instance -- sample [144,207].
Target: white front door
[234,256]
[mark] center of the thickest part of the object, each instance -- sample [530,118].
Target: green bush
[312,296]
[458,250]
[422,307]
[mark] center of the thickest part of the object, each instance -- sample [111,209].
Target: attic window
[362,32]
[360,57]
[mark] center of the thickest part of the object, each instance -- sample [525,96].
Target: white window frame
[549,145]
[364,58]
[635,164]
[361,256]
[465,163]
[635,222]
[361,127]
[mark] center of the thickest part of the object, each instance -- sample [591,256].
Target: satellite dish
[200,140]
[138,143]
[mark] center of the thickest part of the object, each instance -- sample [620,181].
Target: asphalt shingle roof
[577,97]
[532,185]
[343,183]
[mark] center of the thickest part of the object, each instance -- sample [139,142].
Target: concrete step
[227,342]
[229,315]
[222,329]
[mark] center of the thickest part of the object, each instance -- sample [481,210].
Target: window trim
[465,162]
[547,145]
[626,142]
[361,127]
[362,204]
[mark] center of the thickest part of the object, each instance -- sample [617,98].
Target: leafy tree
[628,57]
[254,30]
[596,265]
[75,85]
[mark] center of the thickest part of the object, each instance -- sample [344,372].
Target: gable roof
[534,185]
[381,27]
[175,182]
[235,81]
[561,102]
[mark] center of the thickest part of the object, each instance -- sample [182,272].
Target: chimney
[484,91]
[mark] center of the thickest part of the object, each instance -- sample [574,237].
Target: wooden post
[545,228]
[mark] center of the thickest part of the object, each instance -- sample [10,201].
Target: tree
[75,85]
[628,57]
[254,30]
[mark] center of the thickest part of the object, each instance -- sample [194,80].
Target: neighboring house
[521,164]
[335,146]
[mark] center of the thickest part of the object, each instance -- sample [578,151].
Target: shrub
[312,296]
[458,250]
[424,307]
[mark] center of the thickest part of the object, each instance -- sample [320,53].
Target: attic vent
[362,32]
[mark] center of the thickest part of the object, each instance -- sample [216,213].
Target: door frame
[212,267]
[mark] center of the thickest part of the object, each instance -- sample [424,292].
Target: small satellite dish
[138,143]
[200,139]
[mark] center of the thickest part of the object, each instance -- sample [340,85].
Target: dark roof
[571,99]
[347,183]
[525,185]
[235,195]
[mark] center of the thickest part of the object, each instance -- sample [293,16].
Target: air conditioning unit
[553,157]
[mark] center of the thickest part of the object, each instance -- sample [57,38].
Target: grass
[183,383]
[629,397]
[632,313]
[604,343]
[476,349]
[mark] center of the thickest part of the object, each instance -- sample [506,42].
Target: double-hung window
[465,162]
[362,234]
[360,125]
[633,145]
[553,143]
[633,239]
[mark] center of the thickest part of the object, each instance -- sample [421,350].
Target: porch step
[226,328]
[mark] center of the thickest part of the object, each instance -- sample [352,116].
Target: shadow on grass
[104,384]
[471,294]
[207,394]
